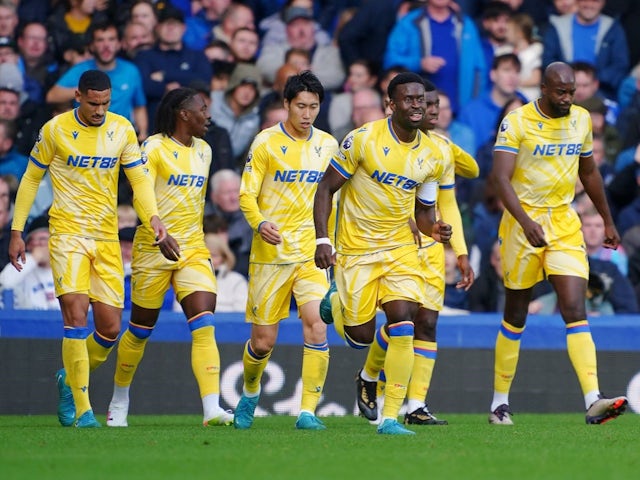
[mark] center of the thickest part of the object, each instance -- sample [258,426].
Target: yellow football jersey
[452,155]
[279,182]
[84,162]
[547,153]
[179,175]
[383,176]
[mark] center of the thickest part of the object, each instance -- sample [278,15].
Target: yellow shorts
[151,275]
[432,261]
[88,266]
[366,282]
[271,286]
[565,254]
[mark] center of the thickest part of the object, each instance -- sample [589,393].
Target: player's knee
[109,331]
[573,312]
[359,335]
[261,346]
[317,332]
[425,325]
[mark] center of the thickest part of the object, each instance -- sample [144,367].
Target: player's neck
[404,135]
[182,138]
[547,110]
[297,133]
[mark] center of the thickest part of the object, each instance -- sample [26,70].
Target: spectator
[493,36]
[244,45]
[591,37]
[602,161]
[365,35]
[199,32]
[232,286]
[458,67]
[8,51]
[362,76]
[11,162]
[481,113]
[70,21]
[485,221]
[564,7]
[520,35]
[218,50]
[598,112]
[458,132]
[8,18]
[487,292]
[216,136]
[235,16]
[143,11]
[33,287]
[236,108]
[225,201]
[16,106]
[588,86]
[76,51]
[298,58]
[38,68]
[274,26]
[325,59]
[33,10]
[484,156]
[169,64]
[272,113]
[136,36]
[363,102]
[128,98]
[593,232]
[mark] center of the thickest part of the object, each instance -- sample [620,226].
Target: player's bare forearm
[594,186]
[322,206]
[425,217]
[17,255]
[468,276]
[321,209]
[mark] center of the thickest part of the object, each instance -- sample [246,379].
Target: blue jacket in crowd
[407,45]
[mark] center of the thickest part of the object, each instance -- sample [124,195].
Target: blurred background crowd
[485,57]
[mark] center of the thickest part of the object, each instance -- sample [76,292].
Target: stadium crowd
[485,57]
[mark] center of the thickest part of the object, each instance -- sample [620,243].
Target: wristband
[259,225]
[323,241]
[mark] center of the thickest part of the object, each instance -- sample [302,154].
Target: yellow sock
[377,353]
[507,353]
[99,347]
[76,363]
[205,358]
[382,382]
[582,353]
[254,365]
[424,359]
[315,363]
[130,352]
[397,367]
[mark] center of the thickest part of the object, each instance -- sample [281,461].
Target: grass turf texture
[539,446]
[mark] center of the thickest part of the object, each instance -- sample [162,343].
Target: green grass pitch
[558,446]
